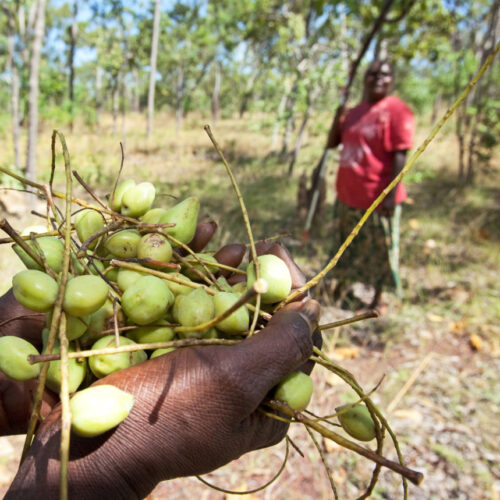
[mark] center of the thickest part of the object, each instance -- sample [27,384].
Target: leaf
[435,318]
[345,353]
[476,342]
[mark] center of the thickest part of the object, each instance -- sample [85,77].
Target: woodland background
[268,76]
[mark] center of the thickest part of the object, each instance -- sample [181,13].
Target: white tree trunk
[11,67]
[33,89]
[216,93]
[152,76]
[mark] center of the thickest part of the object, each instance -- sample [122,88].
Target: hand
[387,205]
[196,409]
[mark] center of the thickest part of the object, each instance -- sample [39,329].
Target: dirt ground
[436,354]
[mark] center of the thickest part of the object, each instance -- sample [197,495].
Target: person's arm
[334,136]
[389,202]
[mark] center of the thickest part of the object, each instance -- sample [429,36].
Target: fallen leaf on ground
[345,353]
[476,342]
[435,318]
[413,223]
[457,327]
[330,446]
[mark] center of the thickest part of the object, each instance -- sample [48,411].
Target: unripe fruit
[147,300]
[127,277]
[99,321]
[177,288]
[116,199]
[185,217]
[276,273]
[161,352]
[195,308]
[239,287]
[296,390]
[154,246]
[206,258]
[150,334]
[153,216]
[52,249]
[35,290]
[123,244]
[357,422]
[87,223]
[14,352]
[98,409]
[137,200]
[109,363]
[238,321]
[76,371]
[75,327]
[84,295]
[96,267]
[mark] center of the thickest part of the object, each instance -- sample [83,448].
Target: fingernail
[311,310]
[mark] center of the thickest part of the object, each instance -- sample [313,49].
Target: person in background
[374,137]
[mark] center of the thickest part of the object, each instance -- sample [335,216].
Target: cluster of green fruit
[151,308]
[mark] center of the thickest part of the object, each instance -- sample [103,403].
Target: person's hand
[387,205]
[195,410]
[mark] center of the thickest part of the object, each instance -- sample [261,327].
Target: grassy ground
[446,328]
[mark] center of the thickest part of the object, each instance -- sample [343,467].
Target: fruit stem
[348,321]
[414,476]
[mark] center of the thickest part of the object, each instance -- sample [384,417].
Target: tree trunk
[248,92]
[136,90]
[179,98]
[123,103]
[152,76]
[216,94]
[435,108]
[281,109]
[311,98]
[14,83]
[33,89]
[290,116]
[116,104]
[73,33]
[98,93]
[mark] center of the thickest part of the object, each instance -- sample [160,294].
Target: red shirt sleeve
[401,127]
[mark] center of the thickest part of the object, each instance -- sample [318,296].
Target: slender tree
[152,75]
[34,89]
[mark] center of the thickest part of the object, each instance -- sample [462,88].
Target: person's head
[378,80]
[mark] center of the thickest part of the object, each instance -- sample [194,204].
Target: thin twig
[348,321]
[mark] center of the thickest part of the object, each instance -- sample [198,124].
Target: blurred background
[268,75]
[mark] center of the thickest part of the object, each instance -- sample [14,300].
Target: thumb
[264,359]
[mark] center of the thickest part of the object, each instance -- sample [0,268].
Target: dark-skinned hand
[195,410]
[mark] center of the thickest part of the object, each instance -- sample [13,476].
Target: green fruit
[238,321]
[14,352]
[52,248]
[161,352]
[137,200]
[109,363]
[84,295]
[296,390]
[357,422]
[96,267]
[116,199]
[87,223]
[185,217]
[276,273]
[77,371]
[35,290]
[127,277]
[75,327]
[195,308]
[150,334]
[188,271]
[123,244]
[154,246]
[99,321]
[98,409]
[153,216]
[147,300]
[112,274]
[239,287]
[177,288]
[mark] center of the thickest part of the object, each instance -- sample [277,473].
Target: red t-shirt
[370,133]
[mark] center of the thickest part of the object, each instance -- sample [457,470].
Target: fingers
[260,362]
[230,255]
[202,236]
[19,321]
